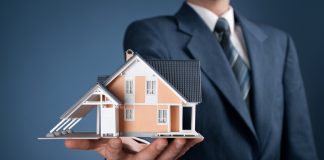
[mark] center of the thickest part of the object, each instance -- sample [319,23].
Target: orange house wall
[145,115]
[140,89]
[145,119]
[174,111]
[166,95]
[116,87]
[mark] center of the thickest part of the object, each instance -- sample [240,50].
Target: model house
[143,98]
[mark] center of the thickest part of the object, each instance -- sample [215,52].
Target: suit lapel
[262,77]
[204,47]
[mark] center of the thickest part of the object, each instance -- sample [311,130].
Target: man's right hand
[127,148]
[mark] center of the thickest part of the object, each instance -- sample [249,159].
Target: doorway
[175,117]
[186,118]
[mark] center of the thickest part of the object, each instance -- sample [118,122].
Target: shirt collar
[211,18]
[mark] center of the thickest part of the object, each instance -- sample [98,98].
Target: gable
[95,96]
[136,66]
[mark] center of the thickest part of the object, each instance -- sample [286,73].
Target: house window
[129,87]
[151,87]
[162,116]
[129,114]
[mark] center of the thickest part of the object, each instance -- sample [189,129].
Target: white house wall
[138,68]
[109,125]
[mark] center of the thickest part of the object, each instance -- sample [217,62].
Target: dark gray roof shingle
[183,75]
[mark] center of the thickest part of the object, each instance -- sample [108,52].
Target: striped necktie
[239,67]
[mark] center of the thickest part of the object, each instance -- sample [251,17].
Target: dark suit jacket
[278,126]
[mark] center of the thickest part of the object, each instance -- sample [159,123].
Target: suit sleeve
[145,39]
[298,142]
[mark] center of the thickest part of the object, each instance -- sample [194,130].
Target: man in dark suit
[254,104]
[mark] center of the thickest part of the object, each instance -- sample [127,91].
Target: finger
[173,149]
[131,145]
[190,143]
[152,150]
[114,149]
[83,144]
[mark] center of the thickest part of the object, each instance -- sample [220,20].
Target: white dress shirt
[236,36]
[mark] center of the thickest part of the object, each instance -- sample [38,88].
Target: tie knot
[222,26]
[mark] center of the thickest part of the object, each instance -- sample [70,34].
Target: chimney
[129,54]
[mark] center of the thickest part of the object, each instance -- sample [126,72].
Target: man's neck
[219,7]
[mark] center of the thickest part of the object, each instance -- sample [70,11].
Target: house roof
[78,109]
[102,78]
[183,75]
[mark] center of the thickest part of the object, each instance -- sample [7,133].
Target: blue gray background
[52,50]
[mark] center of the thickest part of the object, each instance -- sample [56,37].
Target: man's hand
[127,148]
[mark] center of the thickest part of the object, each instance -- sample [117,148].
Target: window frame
[131,114]
[151,87]
[129,86]
[163,120]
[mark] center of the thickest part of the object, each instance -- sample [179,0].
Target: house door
[187,118]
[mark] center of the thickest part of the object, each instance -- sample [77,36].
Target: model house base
[143,98]
[93,135]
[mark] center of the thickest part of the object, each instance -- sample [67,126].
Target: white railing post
[68,125]
[53,129]
[77,121]
[68,120]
